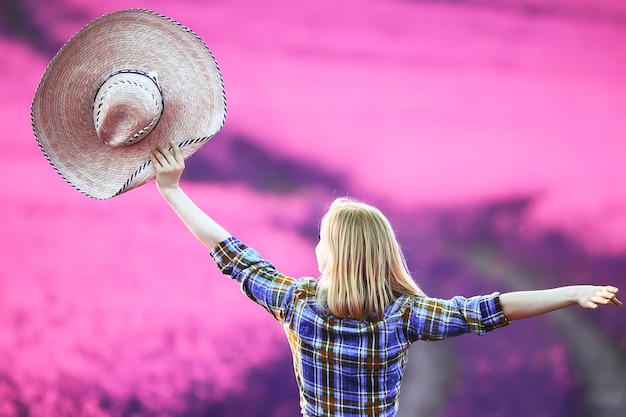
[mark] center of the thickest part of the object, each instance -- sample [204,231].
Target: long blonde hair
[366,270]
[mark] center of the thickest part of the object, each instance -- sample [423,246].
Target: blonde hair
[365,271]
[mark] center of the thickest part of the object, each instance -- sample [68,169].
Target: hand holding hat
[169,166]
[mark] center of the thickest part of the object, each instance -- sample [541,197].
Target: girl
[349,333]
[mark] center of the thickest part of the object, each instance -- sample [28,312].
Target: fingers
[157,158]
[604,295]
[611,293]
[178,154]
[161,157]
[611,289]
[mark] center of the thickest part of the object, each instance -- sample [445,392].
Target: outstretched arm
[169,168]
[524,304]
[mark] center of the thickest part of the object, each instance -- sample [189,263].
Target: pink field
[418,106]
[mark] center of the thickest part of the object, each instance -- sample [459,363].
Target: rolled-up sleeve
[435,319]
[258,278]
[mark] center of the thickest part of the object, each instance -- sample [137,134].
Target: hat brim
[194,106]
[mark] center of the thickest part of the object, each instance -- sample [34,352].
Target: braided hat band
[123,84]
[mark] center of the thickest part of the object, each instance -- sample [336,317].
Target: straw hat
[125,83]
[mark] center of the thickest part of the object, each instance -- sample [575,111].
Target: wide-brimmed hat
[126,82]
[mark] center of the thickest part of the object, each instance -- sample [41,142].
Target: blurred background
[490,132]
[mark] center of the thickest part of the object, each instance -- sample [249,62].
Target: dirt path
[598,360]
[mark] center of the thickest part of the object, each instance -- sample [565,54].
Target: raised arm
[523,304]
[169,168]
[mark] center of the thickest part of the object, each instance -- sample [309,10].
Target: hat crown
[127,107]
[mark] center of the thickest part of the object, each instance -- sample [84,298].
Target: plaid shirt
[348,367]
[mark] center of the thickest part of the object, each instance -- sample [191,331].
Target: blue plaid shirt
[348,367]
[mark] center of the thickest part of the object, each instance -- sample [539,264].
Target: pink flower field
[490,132]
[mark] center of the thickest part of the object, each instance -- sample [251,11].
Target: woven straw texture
[194,104]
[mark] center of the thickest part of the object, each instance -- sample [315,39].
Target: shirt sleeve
[258,278]
[435,319]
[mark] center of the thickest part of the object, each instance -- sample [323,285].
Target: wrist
[167,191]
[577,294]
